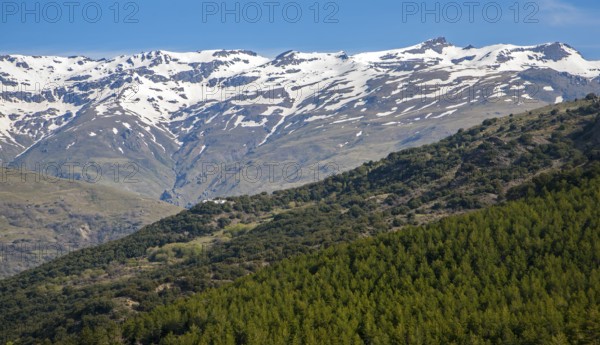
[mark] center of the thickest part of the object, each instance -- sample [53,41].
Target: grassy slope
[40,220]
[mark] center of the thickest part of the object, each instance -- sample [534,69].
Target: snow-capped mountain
[190,126]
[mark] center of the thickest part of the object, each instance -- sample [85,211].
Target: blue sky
[108,28]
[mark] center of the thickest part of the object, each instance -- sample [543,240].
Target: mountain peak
[286,55]
[436,41]
[556,51]
[342,55]
[436,44]
[227,53]
[290,57]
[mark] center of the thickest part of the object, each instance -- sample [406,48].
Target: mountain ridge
[173,113]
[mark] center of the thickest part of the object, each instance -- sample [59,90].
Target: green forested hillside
[214,244]
[527,272]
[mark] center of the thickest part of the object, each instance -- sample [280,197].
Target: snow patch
[347,120]
[450,112]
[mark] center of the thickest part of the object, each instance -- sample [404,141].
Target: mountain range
[186,127]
